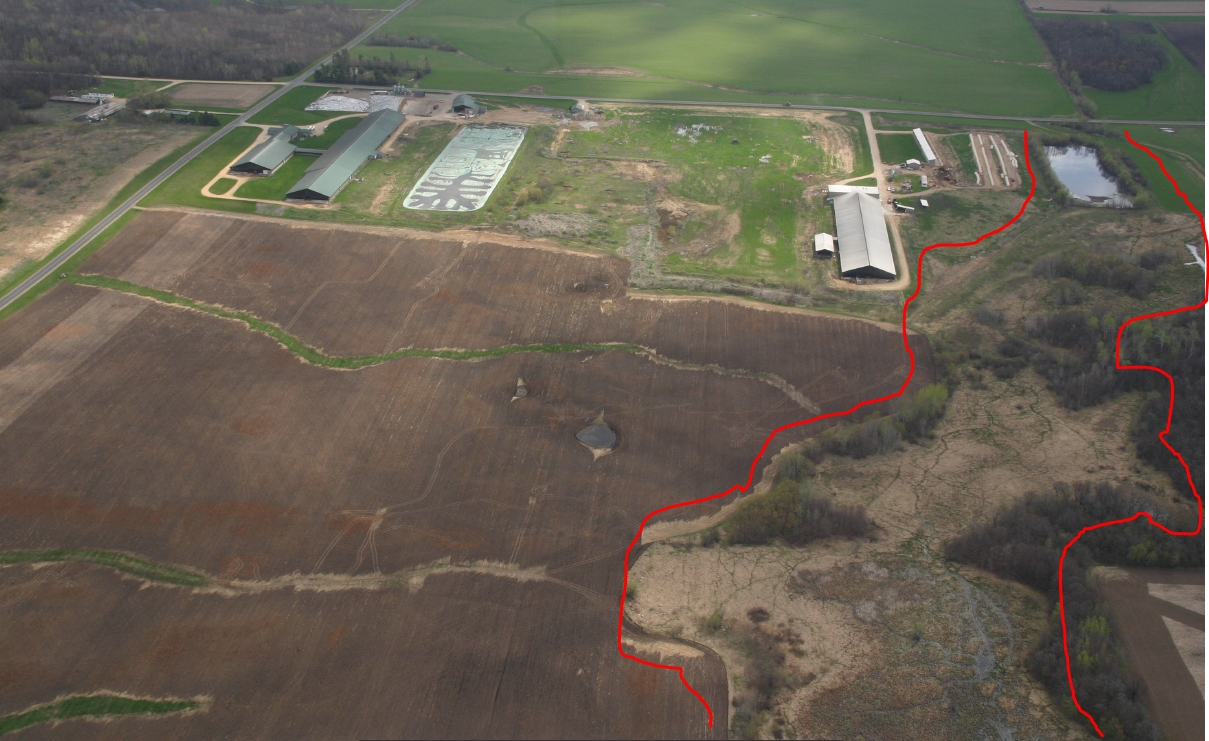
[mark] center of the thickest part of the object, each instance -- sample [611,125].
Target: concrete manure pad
[185,439]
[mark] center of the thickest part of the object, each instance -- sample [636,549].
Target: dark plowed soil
[353,293]
[192,440]
[466,656]
[1171,694]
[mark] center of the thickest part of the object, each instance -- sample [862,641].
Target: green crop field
[275,186]
[184,187]
[873,50]
[1176,94]
[334,131]
[898,148]
[288,109]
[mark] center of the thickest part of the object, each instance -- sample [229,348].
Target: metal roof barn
[864,242]
[332,171]
[929,156]
[267,156]
[463,103]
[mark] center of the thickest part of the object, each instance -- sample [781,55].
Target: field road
[1179,7]
[49,268]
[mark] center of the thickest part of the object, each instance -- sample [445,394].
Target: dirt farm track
[395,551]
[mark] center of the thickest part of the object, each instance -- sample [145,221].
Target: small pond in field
[1079,170]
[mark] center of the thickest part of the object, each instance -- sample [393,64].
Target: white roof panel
[860,225]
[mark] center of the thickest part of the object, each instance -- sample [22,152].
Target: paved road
[49,268]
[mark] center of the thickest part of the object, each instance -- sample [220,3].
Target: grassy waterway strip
[92,706]
[317,357]
[122,562]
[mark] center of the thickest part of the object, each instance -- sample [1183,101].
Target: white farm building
[864,242]
[926,147]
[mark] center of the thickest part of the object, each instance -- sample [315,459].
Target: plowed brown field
[191,440]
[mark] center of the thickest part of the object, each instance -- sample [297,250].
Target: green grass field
[898,148]
[275,186]
[222,185]
[184,187]
[334,131]
[91,706]
[1176,94]
[871,50]
[288,109]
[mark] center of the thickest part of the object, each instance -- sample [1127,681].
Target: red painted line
[751,475]
[1200,509]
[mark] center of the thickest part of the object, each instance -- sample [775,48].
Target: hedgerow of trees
[1024,543]
[189,39]
[344,70]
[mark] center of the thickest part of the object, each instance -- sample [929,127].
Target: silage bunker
[463,177]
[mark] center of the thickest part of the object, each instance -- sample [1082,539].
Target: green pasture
[127,88]
[458,72]
[222,185]
[288,109]
[875,50]
[275,186]
[184,187]
[1187,140]
[1177,93]
[898,148]
[334,131]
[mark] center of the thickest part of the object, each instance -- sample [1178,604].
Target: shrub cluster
[1098,54]
[913,421]
[764,673]
[796,513]
[1100,269]
[1024,543]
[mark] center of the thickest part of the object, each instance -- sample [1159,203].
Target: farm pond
[1078,168]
